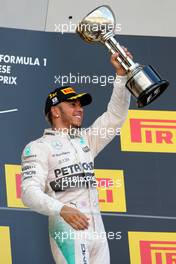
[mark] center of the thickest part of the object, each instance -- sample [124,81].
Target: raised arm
[105,128]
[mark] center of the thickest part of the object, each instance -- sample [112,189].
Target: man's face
[71,113]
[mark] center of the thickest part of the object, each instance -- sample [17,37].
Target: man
[58,172]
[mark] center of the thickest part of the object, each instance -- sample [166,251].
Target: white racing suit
[52,166]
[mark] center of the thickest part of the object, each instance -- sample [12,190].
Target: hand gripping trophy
[143,81]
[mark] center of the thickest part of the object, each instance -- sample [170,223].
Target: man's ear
[55,112]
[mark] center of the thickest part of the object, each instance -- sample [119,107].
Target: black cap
[65,93]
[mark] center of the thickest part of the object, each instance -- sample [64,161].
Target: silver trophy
[143,81]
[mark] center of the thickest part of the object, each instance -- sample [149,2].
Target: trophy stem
[114,46]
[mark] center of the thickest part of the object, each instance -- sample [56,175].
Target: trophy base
[145,84]
[151,93]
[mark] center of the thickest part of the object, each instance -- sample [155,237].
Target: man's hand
[74,217]
[118,67]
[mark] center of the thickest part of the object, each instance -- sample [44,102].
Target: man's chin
[76,125]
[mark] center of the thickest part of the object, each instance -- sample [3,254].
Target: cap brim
[85,98]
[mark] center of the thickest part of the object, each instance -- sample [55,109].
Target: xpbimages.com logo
[71,27]
[62,236]
[78,78]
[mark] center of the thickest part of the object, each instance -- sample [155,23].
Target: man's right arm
[34,178]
